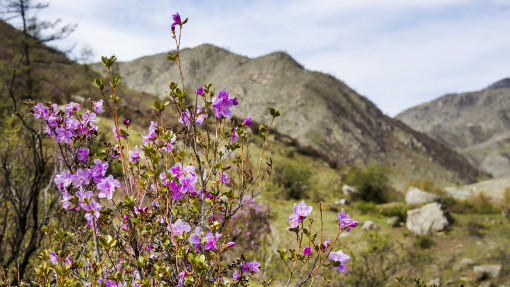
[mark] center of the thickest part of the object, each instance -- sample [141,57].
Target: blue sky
[398,53]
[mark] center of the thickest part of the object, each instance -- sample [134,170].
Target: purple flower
[339,256]
[83,153]
[177,21]
[71,107]
[53,257]
[88,117]
[63,180]
[326,244]
[222,104]
[110,283]
[179,227]
[65,200]
[223,178]
[307,250]
[236,275]
[345,220]
[186,117]
[116,136]
[82,195]
[81,177]
[247,121]
[234,135]
[211,241]
[169,146]
[195,237]
[251,266]
[98,170]
[99,106]
[199,91]
[93,209]
[188,183]
[126,122]
[293,221]
[134,155]
[302,210]
[41,111]
[234,101]
[353,223]
[107,187]
[69,260]
[151,134]
[200,117]
[63,135]
[230,244]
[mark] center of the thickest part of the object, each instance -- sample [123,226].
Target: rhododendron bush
[173,215]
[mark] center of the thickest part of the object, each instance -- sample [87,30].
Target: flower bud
[247,121]
[230,244]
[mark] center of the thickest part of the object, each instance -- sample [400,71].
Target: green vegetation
[372,183]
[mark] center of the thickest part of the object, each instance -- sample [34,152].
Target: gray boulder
[394,220]
[349,189]
[343,201]
[435,281]
[428,219]
[370,225]
[463,264]
[506,212]
[484,272]
[417,196]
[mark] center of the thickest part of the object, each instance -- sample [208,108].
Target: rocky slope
[317,109]
[476,124]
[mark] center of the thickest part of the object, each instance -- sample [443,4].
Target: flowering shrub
[167,221]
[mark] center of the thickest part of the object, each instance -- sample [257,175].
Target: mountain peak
[502,84]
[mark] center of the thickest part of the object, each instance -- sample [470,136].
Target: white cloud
[398,53]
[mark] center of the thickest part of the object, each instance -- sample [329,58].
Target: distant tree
[372,183]
[24,157]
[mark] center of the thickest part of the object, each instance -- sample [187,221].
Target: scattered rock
[463,264]
[417,196]
[77,98]
[370,225]
[484,272]
[465,279]
[343,201]
[506,212]
[435,281]
[393,221]
[487,284]
[429,219]
[349,189]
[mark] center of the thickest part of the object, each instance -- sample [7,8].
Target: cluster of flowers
[83,185]
[62,126]
[67,127]
[301,211]
[165,230]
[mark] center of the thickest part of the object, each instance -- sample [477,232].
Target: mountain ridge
[476,124]
[350,128]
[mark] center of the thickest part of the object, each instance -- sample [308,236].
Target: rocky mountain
[317,110]
[476,124]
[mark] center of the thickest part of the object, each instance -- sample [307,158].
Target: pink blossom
[107,186]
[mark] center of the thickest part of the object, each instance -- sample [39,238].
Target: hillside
[56,78]
[317,110]
[476,124]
